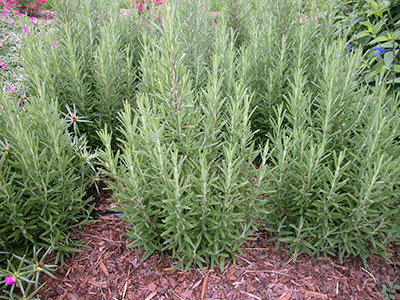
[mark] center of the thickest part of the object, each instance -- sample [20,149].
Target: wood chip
[151,295]
[104,269]
[316,295]
[204,287]
[187,294]
[251,295]
[286,296]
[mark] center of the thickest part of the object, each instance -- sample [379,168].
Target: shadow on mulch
[107,269]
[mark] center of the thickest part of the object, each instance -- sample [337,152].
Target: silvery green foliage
[44,174]
[12,73]
[92,63]
[336,161]
[280,31]
[184,168]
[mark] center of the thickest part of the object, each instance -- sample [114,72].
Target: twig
[103,238]
[173,292]
[125,288]
[370,274]
[242,258]
[204,287]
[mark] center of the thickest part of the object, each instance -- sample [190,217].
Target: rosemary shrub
[184,167]
[44,174]
[89,60]
[335,152]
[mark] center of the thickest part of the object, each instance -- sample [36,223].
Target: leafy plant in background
[183,172]
[375,27]
[21,275]
[22,6]
[90,60]
[389,291]
[282,34]
[12,30]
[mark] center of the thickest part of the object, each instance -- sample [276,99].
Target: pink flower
[5,14]
[140,8]
[10,89]
[12,22]
[2,66]
[52,44]
[26,30]
[10,280]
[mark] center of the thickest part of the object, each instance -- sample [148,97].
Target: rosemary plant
[184,169]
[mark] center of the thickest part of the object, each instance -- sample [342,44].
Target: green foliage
[26,273]
[89,60]
[238,14]
[11,33]
[183,172]
[372,24]
[389,291]
[282,35]
[44,173]
[336,162]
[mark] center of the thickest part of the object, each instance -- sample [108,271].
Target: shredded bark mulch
[108,269]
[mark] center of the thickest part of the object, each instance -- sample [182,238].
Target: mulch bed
[108,269]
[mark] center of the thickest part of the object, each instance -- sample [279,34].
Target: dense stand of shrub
[334,140]
[182,104]
[89,61]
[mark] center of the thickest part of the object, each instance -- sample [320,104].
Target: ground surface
[108,270]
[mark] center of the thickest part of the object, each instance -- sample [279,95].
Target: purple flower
[26,30]
[10,89]
[349,47]
[2,66]
[52,44]
[378,50]
[10,280]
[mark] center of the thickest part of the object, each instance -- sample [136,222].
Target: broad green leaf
[379,40]
[388,58]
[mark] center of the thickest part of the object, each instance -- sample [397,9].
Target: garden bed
[108,269]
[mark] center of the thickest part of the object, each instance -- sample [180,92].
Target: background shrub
[89,61]
[22,6]
[375,27]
